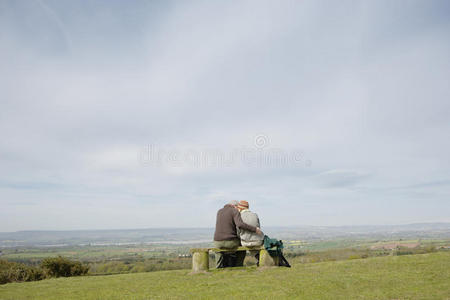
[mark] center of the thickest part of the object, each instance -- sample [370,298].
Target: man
[248,238]
[226,236]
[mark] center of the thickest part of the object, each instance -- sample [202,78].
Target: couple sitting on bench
[236,225]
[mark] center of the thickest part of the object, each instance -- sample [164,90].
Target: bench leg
[265,260]
[200,261]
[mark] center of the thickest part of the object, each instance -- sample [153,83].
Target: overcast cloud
[316,112]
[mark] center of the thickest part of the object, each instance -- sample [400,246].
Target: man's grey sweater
[248,238]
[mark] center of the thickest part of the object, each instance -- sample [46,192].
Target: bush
[16,272]
[63,267]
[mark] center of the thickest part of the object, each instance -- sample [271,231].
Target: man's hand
[258,231]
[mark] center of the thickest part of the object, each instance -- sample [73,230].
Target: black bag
[269,244]
[282,261]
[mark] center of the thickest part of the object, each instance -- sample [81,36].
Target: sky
[139,114]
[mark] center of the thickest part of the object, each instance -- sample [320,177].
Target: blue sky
[316,112]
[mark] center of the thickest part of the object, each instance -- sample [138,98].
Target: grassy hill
[425,276]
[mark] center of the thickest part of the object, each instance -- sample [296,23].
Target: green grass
[425,276]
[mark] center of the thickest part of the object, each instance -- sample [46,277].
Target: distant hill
[425,276]
[204,235]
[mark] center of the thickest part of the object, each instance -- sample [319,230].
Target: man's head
[234,203]
[242,205]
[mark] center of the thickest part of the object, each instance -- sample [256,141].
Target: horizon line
[187,228]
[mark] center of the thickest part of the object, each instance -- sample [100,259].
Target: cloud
[359,88]
[340,178]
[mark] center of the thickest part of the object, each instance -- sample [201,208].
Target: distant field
[93,253]
[359,243]
[120,259]
[96,253]
[425,276]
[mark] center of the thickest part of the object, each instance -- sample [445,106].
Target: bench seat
[200,257]
[241,248]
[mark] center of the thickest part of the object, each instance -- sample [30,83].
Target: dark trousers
[229,259]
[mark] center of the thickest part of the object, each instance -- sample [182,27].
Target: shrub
[16,272]
[63,267]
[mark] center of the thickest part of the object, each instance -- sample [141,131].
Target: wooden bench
[200,257]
